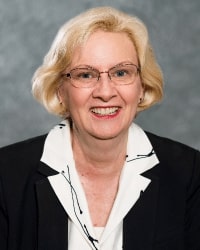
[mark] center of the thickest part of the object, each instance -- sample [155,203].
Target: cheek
[62,93]
[75,97]
[132,95]
[64,97]
[67,94]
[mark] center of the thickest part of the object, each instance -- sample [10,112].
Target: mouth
[108,111]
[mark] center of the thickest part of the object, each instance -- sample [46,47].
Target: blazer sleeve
[3,221]
[193,207]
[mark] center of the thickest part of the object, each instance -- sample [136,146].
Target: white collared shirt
[67,186]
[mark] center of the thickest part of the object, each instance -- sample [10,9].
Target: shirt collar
[58,151]
[140,153]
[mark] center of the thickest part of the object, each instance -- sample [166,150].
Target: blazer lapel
[52,218]
[139,224]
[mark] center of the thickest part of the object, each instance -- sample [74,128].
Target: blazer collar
[140,223]
[45,170]
[52,219]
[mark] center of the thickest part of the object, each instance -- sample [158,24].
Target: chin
[106,135]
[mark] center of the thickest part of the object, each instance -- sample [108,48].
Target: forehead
[105,48]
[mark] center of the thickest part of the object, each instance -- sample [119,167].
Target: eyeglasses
[87,77]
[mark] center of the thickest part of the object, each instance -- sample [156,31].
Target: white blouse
[66,184]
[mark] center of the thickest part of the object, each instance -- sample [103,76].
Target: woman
[97,180]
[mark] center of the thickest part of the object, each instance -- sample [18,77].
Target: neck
[100,155]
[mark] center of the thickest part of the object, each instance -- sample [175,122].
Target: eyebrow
[92,67]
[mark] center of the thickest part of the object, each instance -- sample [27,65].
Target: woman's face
[106,110]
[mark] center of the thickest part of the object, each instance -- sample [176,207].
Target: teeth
[104,111]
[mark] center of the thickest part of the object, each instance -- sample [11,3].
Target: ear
[141,96]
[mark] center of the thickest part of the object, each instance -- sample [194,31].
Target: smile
[105,111]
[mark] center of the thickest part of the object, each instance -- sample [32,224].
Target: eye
[120,73]
[84,74]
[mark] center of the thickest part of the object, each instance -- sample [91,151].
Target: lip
[105,112]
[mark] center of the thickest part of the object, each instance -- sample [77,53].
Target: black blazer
[165,217]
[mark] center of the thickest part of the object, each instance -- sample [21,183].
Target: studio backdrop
[27,29]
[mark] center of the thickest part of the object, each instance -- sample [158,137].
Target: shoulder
[26,146]
[22,153]
[166,147]
[176,159]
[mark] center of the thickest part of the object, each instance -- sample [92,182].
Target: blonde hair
[74,33]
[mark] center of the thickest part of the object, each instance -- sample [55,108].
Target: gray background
[27,29]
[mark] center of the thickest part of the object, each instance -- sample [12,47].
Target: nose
[105,88]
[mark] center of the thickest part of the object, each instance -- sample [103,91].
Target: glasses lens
[84,77]
[123,74]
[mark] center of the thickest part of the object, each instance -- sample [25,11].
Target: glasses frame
[68,74]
